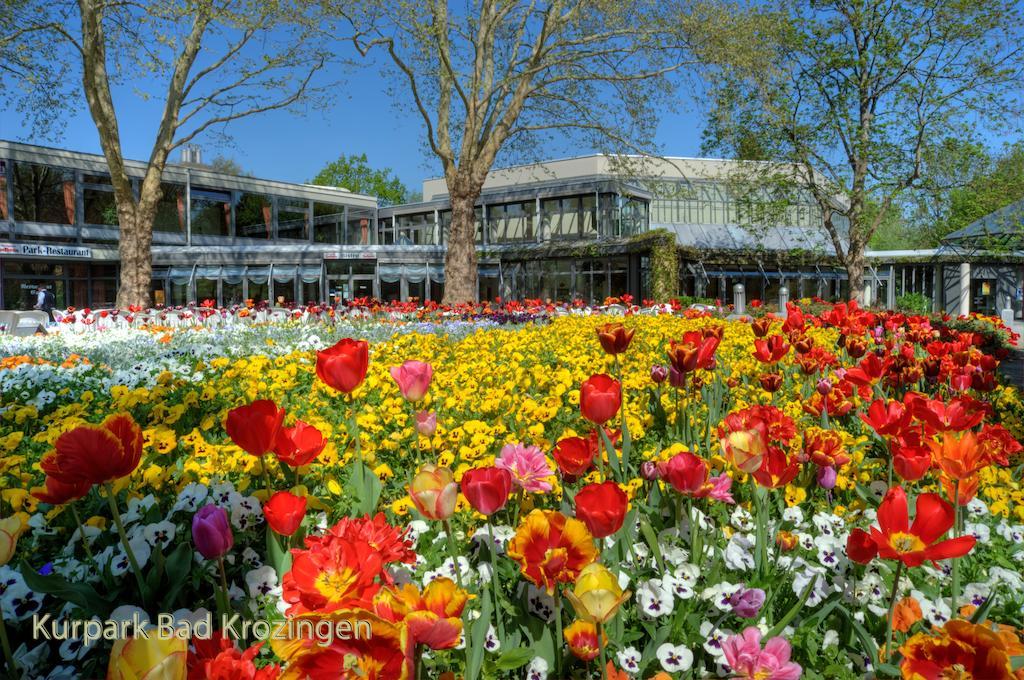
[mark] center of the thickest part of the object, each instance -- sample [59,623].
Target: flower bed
[825,496]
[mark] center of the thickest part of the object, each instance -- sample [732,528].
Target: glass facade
[43,194]
[708,202]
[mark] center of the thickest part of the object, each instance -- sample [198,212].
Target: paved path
[1012,368]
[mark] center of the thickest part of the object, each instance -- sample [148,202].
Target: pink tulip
[529,467]
[747,660]
[413,378]
[426,423]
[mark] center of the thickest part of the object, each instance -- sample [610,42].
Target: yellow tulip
[153,658]
[434,492]
[597,595]
[10,529]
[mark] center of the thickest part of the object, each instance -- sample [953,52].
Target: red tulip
[614,338]
[695,351]
[887,418]
[600,398]
[94,454]
[487,488]
[686,473]
[896,539]
[956,416]
[770,351]
[343,366]
[299,445]
[284,512]
[761,326]
[910,462]
[770,382]
[574,456]
[56,492]
[602,507]
[255,427]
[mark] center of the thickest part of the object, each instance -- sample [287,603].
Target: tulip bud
[10,528]
[824,387]
[650,471]
[676,378]
[434,492]
[597,594]
[211,532]
[827,477]
[770,382]
[746,603]
[659,374]
[786,541]
[413,378]
[426,423]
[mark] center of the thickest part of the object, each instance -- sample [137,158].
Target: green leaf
[278,556]
[475,650]
[80,594]
[887,670]
[364,487]
[627,446]
[613,460]
[867,642]
[179,564]
[982,612]
[794,610]
[514,658]
[652,542]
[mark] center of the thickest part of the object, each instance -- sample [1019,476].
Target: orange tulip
[958,457]
[614,338]
[582,640]
[551,548]
[433,616]
[905,614]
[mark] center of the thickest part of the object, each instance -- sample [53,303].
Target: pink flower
[426,423]
[747,660]
[413,378]
[720,486]
[528,466]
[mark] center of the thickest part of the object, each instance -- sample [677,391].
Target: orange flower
[958,457]
[906,613]
[963,650]
[610,673]
[582,640]
[614,338]
[433,616]
[95,454]
[551,548]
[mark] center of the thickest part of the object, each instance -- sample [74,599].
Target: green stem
[458,574]
[5,643]
[601,651]
[560,643]
[495,585]
[892,607]
[124,543]
[955,591]
[81,531]
[224,584]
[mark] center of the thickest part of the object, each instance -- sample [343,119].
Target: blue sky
[293,147]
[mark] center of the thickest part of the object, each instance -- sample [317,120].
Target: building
[586,228]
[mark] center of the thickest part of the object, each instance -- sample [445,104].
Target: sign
[342,256]
[44,250]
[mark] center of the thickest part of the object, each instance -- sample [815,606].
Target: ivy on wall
[664,267]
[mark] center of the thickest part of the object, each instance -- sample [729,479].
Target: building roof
[1003,228]
[736,237]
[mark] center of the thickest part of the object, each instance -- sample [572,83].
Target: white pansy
[629,660]
[655,597]
[191,498]
[978,530]
[739,552]
[262,581]
[741,519]
[719,595]
[537,669]
[794,516]
[713,639]
[159,534]
[246,511]
[674,658]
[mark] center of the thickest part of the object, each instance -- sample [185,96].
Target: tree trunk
[460,275]
[136,224]
[855,273]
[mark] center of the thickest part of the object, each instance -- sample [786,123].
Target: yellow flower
[154,657]
[597,595]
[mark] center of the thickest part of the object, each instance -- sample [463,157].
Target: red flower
[870,370]
[887,418]
[299,445]
[687,474]
[998,445]
[896,539]
[958,415]
[600,398]
[284,512]
[614,338]
[94,454]
[487,489]
[602,507]
[343,366]
[695,351]
[254,427]
[56,492]
[574,456]
[777,469]
[389,541]
[770,351]
[910,462]
[770,382]
[761,326]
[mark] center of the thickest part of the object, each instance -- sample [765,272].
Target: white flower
[719,595]
[741,519]
[655,597]
[119,562]
[794,516]
[418,527]
[976,507]
[159,534]
[831,639]
[491,642]
[129,613]
[191,497]
[978,530]
[629,660]
[976,593]
[246,511]
[803,574]
[674,658]
[674,555]
[137,508]
[1005,577]
[830,553]
[262,581]
[937,612]
[537,669]
[713,639]
[1012,533]
[739,553]
[539,603]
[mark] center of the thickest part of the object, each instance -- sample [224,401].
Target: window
[211,212]
[254,216]
[292,220]
[44,194]
[417,229]
[4,212]
[329,226]
[511,222]
[100,207]
[170,211]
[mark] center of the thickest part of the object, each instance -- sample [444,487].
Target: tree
[355,174]
[211,62]
[857,90]
[505,77]
[998,184]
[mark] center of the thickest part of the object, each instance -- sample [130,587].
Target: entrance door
[983,296]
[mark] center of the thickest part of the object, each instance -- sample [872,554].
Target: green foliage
[353,172]
[915,303]
[664,269]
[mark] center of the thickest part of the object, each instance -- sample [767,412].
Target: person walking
[45,300]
